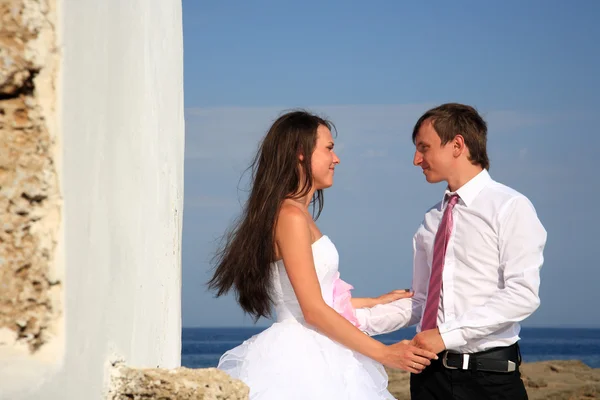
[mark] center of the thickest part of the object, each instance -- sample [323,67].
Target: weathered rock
[29,189]
[175,384]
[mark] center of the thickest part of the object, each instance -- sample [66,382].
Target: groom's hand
[429,340]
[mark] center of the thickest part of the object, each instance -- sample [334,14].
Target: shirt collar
[469,191]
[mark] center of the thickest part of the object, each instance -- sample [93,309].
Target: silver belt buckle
[465,360]
[445,361]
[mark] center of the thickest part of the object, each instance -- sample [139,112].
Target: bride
[276,258]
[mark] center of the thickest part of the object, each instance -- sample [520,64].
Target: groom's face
[435,160]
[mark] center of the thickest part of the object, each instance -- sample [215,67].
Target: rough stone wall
[175,384]
[31,282]
[29,189]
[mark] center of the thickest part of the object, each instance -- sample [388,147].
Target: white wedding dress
[290,360]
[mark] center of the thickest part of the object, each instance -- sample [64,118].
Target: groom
[476,273]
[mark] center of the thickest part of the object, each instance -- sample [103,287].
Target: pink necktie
[429,320]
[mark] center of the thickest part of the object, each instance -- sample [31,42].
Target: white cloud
[506,120]
[523,154]
[232,134]
[377,191]
[208,201]
[371,153]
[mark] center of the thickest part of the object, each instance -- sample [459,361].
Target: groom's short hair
[453,119]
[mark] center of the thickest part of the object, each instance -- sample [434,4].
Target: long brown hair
[243,262]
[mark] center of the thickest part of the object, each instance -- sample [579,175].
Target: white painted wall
[122,132]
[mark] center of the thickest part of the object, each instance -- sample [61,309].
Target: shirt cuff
[453,339]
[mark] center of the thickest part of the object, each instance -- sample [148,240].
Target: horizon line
[408,327]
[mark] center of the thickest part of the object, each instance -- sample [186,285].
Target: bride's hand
[394,295]
[403,355]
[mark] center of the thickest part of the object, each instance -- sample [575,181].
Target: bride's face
[324,159]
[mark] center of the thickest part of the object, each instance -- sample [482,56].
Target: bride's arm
[368,302]
[363,302]
[294,243]
[385,318]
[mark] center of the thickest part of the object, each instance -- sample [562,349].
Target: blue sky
[529,67]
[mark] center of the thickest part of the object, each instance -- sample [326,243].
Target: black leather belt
[498,359]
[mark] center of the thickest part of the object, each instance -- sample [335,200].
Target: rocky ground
[547,380]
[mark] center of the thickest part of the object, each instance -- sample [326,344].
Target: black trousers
[439,383]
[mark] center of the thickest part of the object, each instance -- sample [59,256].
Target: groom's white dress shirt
[491,273]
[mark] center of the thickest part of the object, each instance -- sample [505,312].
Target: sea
[202,347]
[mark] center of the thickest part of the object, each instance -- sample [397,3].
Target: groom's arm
[385,318]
